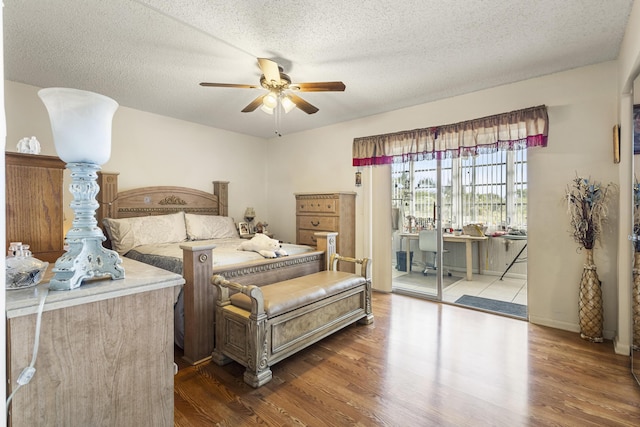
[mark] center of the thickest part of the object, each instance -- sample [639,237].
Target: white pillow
[204,227]
[127,233]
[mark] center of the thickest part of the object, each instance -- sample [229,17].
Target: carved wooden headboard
[157,200]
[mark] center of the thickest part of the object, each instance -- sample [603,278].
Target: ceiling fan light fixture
[281,91]
[267,109]
[270,100]
[287,104]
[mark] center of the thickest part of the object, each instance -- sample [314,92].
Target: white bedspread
[225,253]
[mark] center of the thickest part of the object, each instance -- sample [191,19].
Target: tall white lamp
[81,126]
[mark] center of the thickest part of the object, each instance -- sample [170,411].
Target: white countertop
[139,277]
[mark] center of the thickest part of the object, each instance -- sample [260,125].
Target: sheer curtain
[514,130]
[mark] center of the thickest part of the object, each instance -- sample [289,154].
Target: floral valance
[514,130]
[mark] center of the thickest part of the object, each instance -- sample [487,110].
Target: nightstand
[133,349]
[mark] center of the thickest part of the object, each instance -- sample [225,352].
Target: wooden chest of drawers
[328,212]
[34,198]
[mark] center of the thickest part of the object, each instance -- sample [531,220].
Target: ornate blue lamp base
[86,257]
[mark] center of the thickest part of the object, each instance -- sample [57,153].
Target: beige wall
[582,107]
[148,149]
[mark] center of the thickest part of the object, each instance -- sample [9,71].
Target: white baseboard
[619,348]
[566,326]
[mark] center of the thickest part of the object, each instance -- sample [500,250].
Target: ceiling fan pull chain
[277,115]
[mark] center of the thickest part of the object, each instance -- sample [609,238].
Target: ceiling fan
[281,90]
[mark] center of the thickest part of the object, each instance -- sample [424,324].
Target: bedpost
[326,241]
[221,189]
[199,302]
[108,182]
[107,198]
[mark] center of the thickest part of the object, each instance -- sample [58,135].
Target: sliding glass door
[432,196]
[418,200]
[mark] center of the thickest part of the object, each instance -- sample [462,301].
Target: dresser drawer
[328,212]
[317,206]
[317,223]
[306,237]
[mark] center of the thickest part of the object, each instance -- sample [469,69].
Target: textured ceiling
[151,54]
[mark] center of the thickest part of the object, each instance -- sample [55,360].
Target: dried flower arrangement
[587,208]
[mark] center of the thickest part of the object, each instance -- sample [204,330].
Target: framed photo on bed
[243,228]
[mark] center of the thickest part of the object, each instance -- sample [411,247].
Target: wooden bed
[199,294]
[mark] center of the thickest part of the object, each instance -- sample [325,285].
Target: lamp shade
[270,100]
[250,213]
[287,104]
[81,124]
[267,109]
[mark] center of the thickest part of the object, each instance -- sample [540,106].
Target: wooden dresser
[34,198]
[105,353]
[328,212]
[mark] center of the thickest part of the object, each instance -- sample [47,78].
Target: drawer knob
[315,223]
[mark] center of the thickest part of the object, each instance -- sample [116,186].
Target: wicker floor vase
[591,310]
[635,301]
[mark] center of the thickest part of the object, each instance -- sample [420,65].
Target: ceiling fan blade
[228,85]
[269,69]
[253,105]
[302,104]
[318,87]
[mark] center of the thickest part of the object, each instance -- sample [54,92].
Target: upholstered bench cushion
[290,294]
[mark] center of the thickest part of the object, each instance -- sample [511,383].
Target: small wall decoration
[636,129]
[358,179]
[616,144]
[243,228]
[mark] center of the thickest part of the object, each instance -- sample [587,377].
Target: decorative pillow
[127,233]
[204,227]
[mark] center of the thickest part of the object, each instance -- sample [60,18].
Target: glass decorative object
[81,126]
[22,269]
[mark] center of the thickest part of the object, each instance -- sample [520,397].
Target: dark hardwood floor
[423,364]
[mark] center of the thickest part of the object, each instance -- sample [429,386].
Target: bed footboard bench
[259,326]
